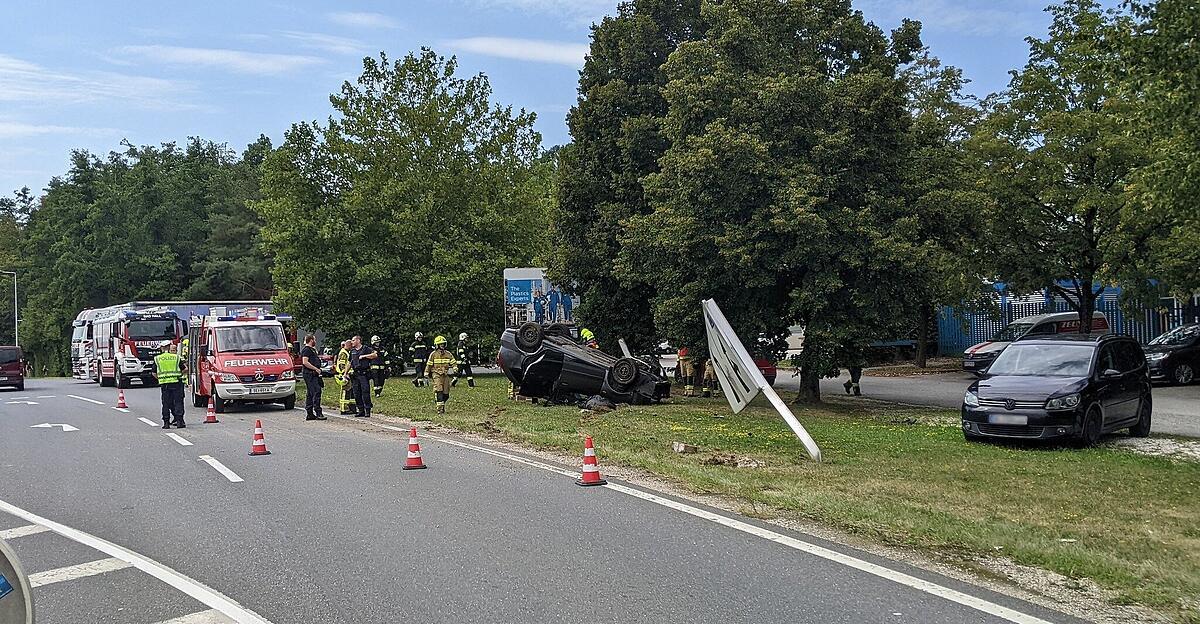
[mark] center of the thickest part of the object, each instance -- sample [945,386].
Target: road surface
[1176,408]
[122,523]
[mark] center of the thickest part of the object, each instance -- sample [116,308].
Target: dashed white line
[86,399]
[212,616]
[148,421]
[207,596]
[22,531]
[91,568]
[229,474]
[180,439]
[48,396]
[122,410]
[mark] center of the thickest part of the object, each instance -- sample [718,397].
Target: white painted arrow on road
[22,402]
[65,427]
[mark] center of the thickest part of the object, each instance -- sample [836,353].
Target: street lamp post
[16,333]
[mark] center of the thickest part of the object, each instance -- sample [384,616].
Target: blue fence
[959,329]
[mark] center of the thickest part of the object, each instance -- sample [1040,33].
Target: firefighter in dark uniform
[378,365]
[361,357]
[464,362]
[168,368]
[438,370]
[418,352]
[313,382]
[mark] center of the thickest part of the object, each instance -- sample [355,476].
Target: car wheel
[219,405]
[1182,374]
[1093,424]
[624,372]
[1142,428]
[289,403]
[529,336]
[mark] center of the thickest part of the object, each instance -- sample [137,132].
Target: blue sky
[88,74]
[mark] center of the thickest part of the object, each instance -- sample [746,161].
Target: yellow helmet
[440,340]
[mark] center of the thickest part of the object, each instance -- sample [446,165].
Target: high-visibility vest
[167,365]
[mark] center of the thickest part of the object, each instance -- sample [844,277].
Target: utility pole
[16,332]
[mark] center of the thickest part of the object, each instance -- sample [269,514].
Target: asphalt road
[329,529]
[1176,408]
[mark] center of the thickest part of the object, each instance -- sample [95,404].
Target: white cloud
[234,60]
[573,12]
[362,20]
[539,50]
[23,81]
[12,129]
[327,43]
[967,17]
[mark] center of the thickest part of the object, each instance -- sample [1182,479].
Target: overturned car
[546,362]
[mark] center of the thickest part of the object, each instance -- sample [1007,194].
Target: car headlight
[288,374]
[970,399]
[228,378]
[1063,402]
[1155,356]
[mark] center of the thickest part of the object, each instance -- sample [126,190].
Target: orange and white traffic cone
[210,416]
[414,461]
[121,399]
[591,473]
[259,446]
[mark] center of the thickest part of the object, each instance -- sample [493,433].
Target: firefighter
[169,370]
[438,370]
[589,339]
[378,365]
[711,389]
[464,362]
[362,356]
[341,368]
[686,371]
[418,352]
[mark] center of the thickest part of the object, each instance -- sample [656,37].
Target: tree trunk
[1087,303]
[810,386]
[923,334]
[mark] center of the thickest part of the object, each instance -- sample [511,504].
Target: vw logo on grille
[258,376]
[1010,404]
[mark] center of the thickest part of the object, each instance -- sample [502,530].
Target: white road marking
[86,399]
[22,531]
[91,568]
[121,409]
[180,439]
[229,474]
[48,396]
[65,427]
[23,403]
[202,593]
[148,421]
[212,616]
[901,578]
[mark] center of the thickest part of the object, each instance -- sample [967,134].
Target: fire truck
[124,343]
[243,357]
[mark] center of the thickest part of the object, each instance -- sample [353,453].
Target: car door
[1108,388]
[1131,362]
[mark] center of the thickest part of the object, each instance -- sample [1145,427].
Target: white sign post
[739,375]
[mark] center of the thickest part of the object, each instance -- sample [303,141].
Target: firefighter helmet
[418,335]
[375,339]
[440,340]
[462,336]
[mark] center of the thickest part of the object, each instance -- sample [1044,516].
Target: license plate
[3,378]
[261,390]
[1008,419]
[968,364]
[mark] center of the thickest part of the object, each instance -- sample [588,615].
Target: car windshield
[1012,332]
[250,338]
[1178,336]
[8,356]
[1044,360]
[152,330]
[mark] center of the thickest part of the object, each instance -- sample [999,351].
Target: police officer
[464,362]
[378,365]
[440,362]
[341,368]
[168,367]
[313,382]
[418,352]
[361,357]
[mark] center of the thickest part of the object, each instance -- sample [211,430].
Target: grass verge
[897,475]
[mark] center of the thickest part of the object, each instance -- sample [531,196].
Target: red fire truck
[244,359]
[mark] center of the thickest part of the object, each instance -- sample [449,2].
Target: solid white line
[209,597]
[91,568]
[86,399]
[121,409]
[49,396]
[229,474]
[148,421]
[180,439]
[211,616]
[928,587]
[22,531]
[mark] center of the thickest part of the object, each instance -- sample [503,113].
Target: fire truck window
[150,330]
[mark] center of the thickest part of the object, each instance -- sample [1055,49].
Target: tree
[401,212]
[1056,159]
[616,141]
[787,130]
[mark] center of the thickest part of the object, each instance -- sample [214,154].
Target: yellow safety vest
[167,365]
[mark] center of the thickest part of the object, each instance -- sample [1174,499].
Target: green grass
[898,476]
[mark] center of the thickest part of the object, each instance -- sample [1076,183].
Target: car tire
[529,337]
[1142,428]
[1093,426]
[624,373]
[1182,374]
[289,402]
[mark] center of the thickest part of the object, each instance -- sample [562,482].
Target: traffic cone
[591,474]
[414,461]
[121,399]
[210,416]
[259,446]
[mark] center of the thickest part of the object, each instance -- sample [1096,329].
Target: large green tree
[787,126]
[402,210]
[616,131]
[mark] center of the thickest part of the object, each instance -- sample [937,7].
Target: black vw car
[1066,385]
[1175,356]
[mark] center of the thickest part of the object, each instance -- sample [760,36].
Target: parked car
[977,358]
[1065,385]
[1175,355]
[546,362]
[12,367]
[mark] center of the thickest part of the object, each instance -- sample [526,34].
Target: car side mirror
[1110,373]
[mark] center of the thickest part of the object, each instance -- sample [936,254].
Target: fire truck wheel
[122,381]
[219,404]
[289,403]
[197,400]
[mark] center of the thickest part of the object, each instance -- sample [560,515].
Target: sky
[87,75]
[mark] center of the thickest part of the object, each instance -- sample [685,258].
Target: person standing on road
[341,368]
[567,306]
[464,362]
[539,310]
[418,351]
[554,299]
[361,357]
[378,365]
[168,368]
[313,382]
[440,362]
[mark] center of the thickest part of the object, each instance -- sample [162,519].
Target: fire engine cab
[241,359]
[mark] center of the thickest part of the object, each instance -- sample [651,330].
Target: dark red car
[12,367]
